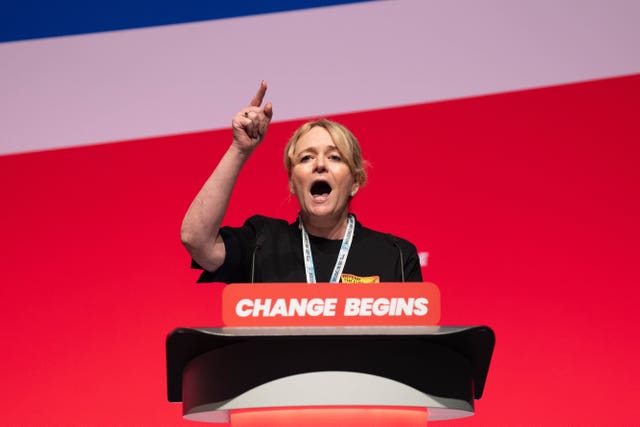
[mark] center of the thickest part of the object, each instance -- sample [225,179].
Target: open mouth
[320,188]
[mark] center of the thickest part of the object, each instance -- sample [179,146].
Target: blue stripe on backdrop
[30,19]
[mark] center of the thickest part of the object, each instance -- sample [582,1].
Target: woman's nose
[320,165]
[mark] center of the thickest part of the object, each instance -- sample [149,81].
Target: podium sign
[285,304]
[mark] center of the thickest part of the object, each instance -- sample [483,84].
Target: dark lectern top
[471,343]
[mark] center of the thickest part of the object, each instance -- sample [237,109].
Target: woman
[325,244]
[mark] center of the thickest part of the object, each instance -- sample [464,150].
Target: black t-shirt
[277,249]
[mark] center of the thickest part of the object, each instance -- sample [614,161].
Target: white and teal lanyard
[342,255]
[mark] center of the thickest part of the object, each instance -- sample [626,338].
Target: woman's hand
[250,124]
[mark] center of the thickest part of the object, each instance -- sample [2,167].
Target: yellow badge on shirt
[350,278]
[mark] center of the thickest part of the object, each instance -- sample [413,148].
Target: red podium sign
[296,304]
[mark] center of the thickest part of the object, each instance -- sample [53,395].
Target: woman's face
[320,178]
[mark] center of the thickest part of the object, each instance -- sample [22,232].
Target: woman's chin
[322,212]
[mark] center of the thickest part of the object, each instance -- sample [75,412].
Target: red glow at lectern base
[343,416]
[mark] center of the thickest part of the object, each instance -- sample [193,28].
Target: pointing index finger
[257,99]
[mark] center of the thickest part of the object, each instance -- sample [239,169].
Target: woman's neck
[328,228]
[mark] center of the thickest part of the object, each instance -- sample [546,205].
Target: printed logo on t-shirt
[351,278]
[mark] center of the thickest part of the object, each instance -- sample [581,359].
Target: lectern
[214,371]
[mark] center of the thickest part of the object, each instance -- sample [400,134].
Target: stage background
[503,141]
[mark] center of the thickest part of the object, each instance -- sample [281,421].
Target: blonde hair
[345,141]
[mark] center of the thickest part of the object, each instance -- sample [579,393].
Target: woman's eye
[305,158]
[335,158]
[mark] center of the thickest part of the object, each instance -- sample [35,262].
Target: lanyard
[342,255]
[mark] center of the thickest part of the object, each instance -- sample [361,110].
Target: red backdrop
[526,202]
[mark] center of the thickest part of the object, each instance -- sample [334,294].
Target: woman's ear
[354,189]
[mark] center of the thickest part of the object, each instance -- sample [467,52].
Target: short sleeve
[238,242]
